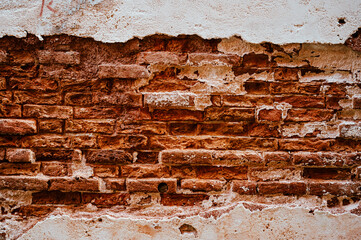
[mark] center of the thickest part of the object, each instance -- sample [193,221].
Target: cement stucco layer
[277,21]
[239,223]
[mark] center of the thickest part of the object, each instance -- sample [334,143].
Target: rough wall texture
[166,127]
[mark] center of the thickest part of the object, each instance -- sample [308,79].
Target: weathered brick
[179,157]
[302,101]
[335,188]
[264,174]
[106,199]
[350,131]
[39,84]
[122,141]
[79,99]
[286,188]
[145,171]
[146,157]
[27,97]
[20,155]
[164,58]
[183,128]
[117,98]
[28,169]
[209,172]
[84,141]
[46,141]
[122,71]
[17,126]
[169,100]
[116,184]
[177,115]
[182,199]
[51,126]
[90,126]
[253,60]
[229,114]
[327,173]
[262,130]
[239,143]
[308,115]
[236,158]
[273,115]
[10,110]
[304,144]
[41,111]
[96,112]
[60,155]
[71,185]
[319,159]
[2,154]
[244,187]
[213,59]
[286,74]
[162,185]
[105,171]
[107,157]
[56,197]
[23,183]
[245,101]
[275,158]
[34,210]
[334,102]
[202,185]
[55,169]
[356,100]
[21,57]
[227,129]
[57,57]
[349,114]
[257,87]
[151,128]
[284,88]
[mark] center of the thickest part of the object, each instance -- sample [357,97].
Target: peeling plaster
[237,223]
[277,21]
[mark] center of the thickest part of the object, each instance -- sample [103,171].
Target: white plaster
[277,21]
[239,223]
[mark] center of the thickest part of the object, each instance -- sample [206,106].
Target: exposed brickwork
[178,121]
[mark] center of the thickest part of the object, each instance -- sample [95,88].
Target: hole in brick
[188,229]
[162,187]
[341,21]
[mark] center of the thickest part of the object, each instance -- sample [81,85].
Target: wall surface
[158,120]
[277,21]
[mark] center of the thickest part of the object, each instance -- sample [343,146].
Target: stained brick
[106,199]
[308,115]
[286,74]
[54,169]
[273,115]
[162,185]
[69,58]
[73,185]
[28,169]
[116,184]
[17,126]
[202,185]
[90,126]
[286,188]
[20,155]
[327,173]
[56,197]
[335,188]
[145,171]
[183,199]
[23,183]
[40,111]
[230,114]
[107,157]
[302,101]
[122,71]
[244,187]
[164,58]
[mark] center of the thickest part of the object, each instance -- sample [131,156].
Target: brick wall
[177,122]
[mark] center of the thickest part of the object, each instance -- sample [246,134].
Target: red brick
[118,99]
[229,114]
[116,184]
[56,197]
[353,159]
[209,172]
[48,140]
[344,144]
[83,84]
[226,129]
[304,144]
[79,99]
[318,159]
[51,126]
[202,185]
[286,188]
[41,111]
[90,126]
[180,157]
[2,154]
[71,185]
[333,102]
[122,141]
[163,58]
[307,115]
[17,126]
[96,112]
[68,58]
[146,157]
[253,60]
[182,128]
[257,87]
[21,57]
[302,101]
[239,143]
[122,71]
[23,183]
[286,74]
[107,157]
[105,171]
[236,158]
[274,158]
[84,141]
[182,199]
[54,169]
[244,187]
[10,110]
[327,173]
[20,155]
[34,210]
[335,188]
[273,115]
[177,115]
[245,101]
[152,185]
[30,169]
[311,88]
[145,171]
[39,84]
[350,131]
[284,88]
[263,130]
[151,128]
[169,100]
[60,155]
[106,199]
[173,142]
[213,59]
[26,97]
[336,89]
